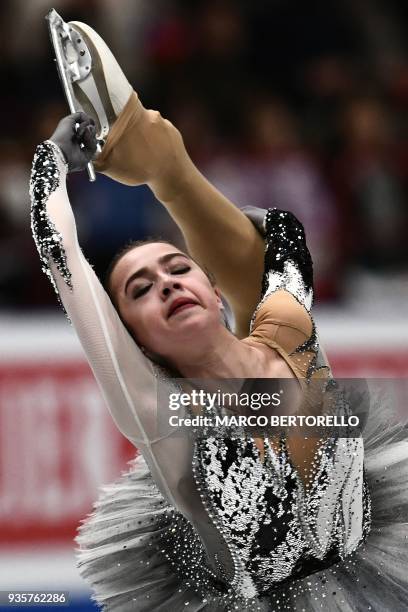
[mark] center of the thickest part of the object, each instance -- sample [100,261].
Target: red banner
[57,444]
[370,363]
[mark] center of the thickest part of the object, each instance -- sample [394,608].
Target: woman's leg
[142,147]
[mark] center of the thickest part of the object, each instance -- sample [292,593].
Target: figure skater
[210,523]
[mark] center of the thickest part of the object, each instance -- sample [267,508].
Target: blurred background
[296,105]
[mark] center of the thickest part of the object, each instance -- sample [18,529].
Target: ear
[219,299]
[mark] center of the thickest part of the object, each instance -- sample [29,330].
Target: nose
[168,285]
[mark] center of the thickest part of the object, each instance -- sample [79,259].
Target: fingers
[76,137]
[85,134]
[81,117]
[75,120]
[89,140]
[82,129]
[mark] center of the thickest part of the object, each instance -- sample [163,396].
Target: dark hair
[129,246]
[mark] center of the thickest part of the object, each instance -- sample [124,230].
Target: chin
[196,325]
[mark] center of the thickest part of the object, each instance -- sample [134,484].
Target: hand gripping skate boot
[92,80]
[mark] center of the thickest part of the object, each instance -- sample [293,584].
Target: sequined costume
[216,529]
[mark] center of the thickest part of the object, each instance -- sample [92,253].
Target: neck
[223,356]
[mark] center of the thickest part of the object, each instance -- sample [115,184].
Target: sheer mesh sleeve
[125,376]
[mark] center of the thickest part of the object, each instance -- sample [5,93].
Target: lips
[176,305]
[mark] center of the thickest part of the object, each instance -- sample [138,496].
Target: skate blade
[74,64]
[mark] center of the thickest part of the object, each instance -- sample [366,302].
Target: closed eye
[139,291]
[181,270]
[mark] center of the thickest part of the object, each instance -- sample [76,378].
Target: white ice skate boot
[92,79]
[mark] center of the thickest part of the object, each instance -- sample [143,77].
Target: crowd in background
[302,106]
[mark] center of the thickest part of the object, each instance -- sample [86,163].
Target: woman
[207,523]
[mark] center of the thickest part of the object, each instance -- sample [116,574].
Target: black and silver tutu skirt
[122,550]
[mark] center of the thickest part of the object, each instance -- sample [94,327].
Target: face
[165,298]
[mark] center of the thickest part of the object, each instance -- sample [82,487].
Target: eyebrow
[143,271]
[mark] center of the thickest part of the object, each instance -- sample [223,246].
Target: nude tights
[143,147]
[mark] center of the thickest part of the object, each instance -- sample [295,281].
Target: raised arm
[125,376]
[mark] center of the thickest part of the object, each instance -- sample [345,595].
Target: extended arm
[125,376]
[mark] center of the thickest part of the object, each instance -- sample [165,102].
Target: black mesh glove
[76,137]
